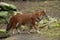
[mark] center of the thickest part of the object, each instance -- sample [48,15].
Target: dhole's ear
[43,11]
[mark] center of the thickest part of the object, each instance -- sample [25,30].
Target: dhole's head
[41,14]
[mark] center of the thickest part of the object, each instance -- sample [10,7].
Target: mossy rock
[3,34]
[6,6]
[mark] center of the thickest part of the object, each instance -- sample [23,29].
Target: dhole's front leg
[34,27]
[17,27]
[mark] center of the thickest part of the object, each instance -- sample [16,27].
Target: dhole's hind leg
[13,31]
[17,27]
[13,28]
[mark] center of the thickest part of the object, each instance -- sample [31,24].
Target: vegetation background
[52,6]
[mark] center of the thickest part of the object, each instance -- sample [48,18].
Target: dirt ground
[26,36]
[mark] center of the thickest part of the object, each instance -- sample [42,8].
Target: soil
[25,36]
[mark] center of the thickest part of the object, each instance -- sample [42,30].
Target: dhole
[28,18]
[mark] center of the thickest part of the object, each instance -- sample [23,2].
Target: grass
[54,29]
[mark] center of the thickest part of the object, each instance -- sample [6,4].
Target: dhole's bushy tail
[8,27]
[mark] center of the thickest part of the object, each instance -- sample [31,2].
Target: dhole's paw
[38,32]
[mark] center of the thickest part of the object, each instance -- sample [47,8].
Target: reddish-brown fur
[23,19]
